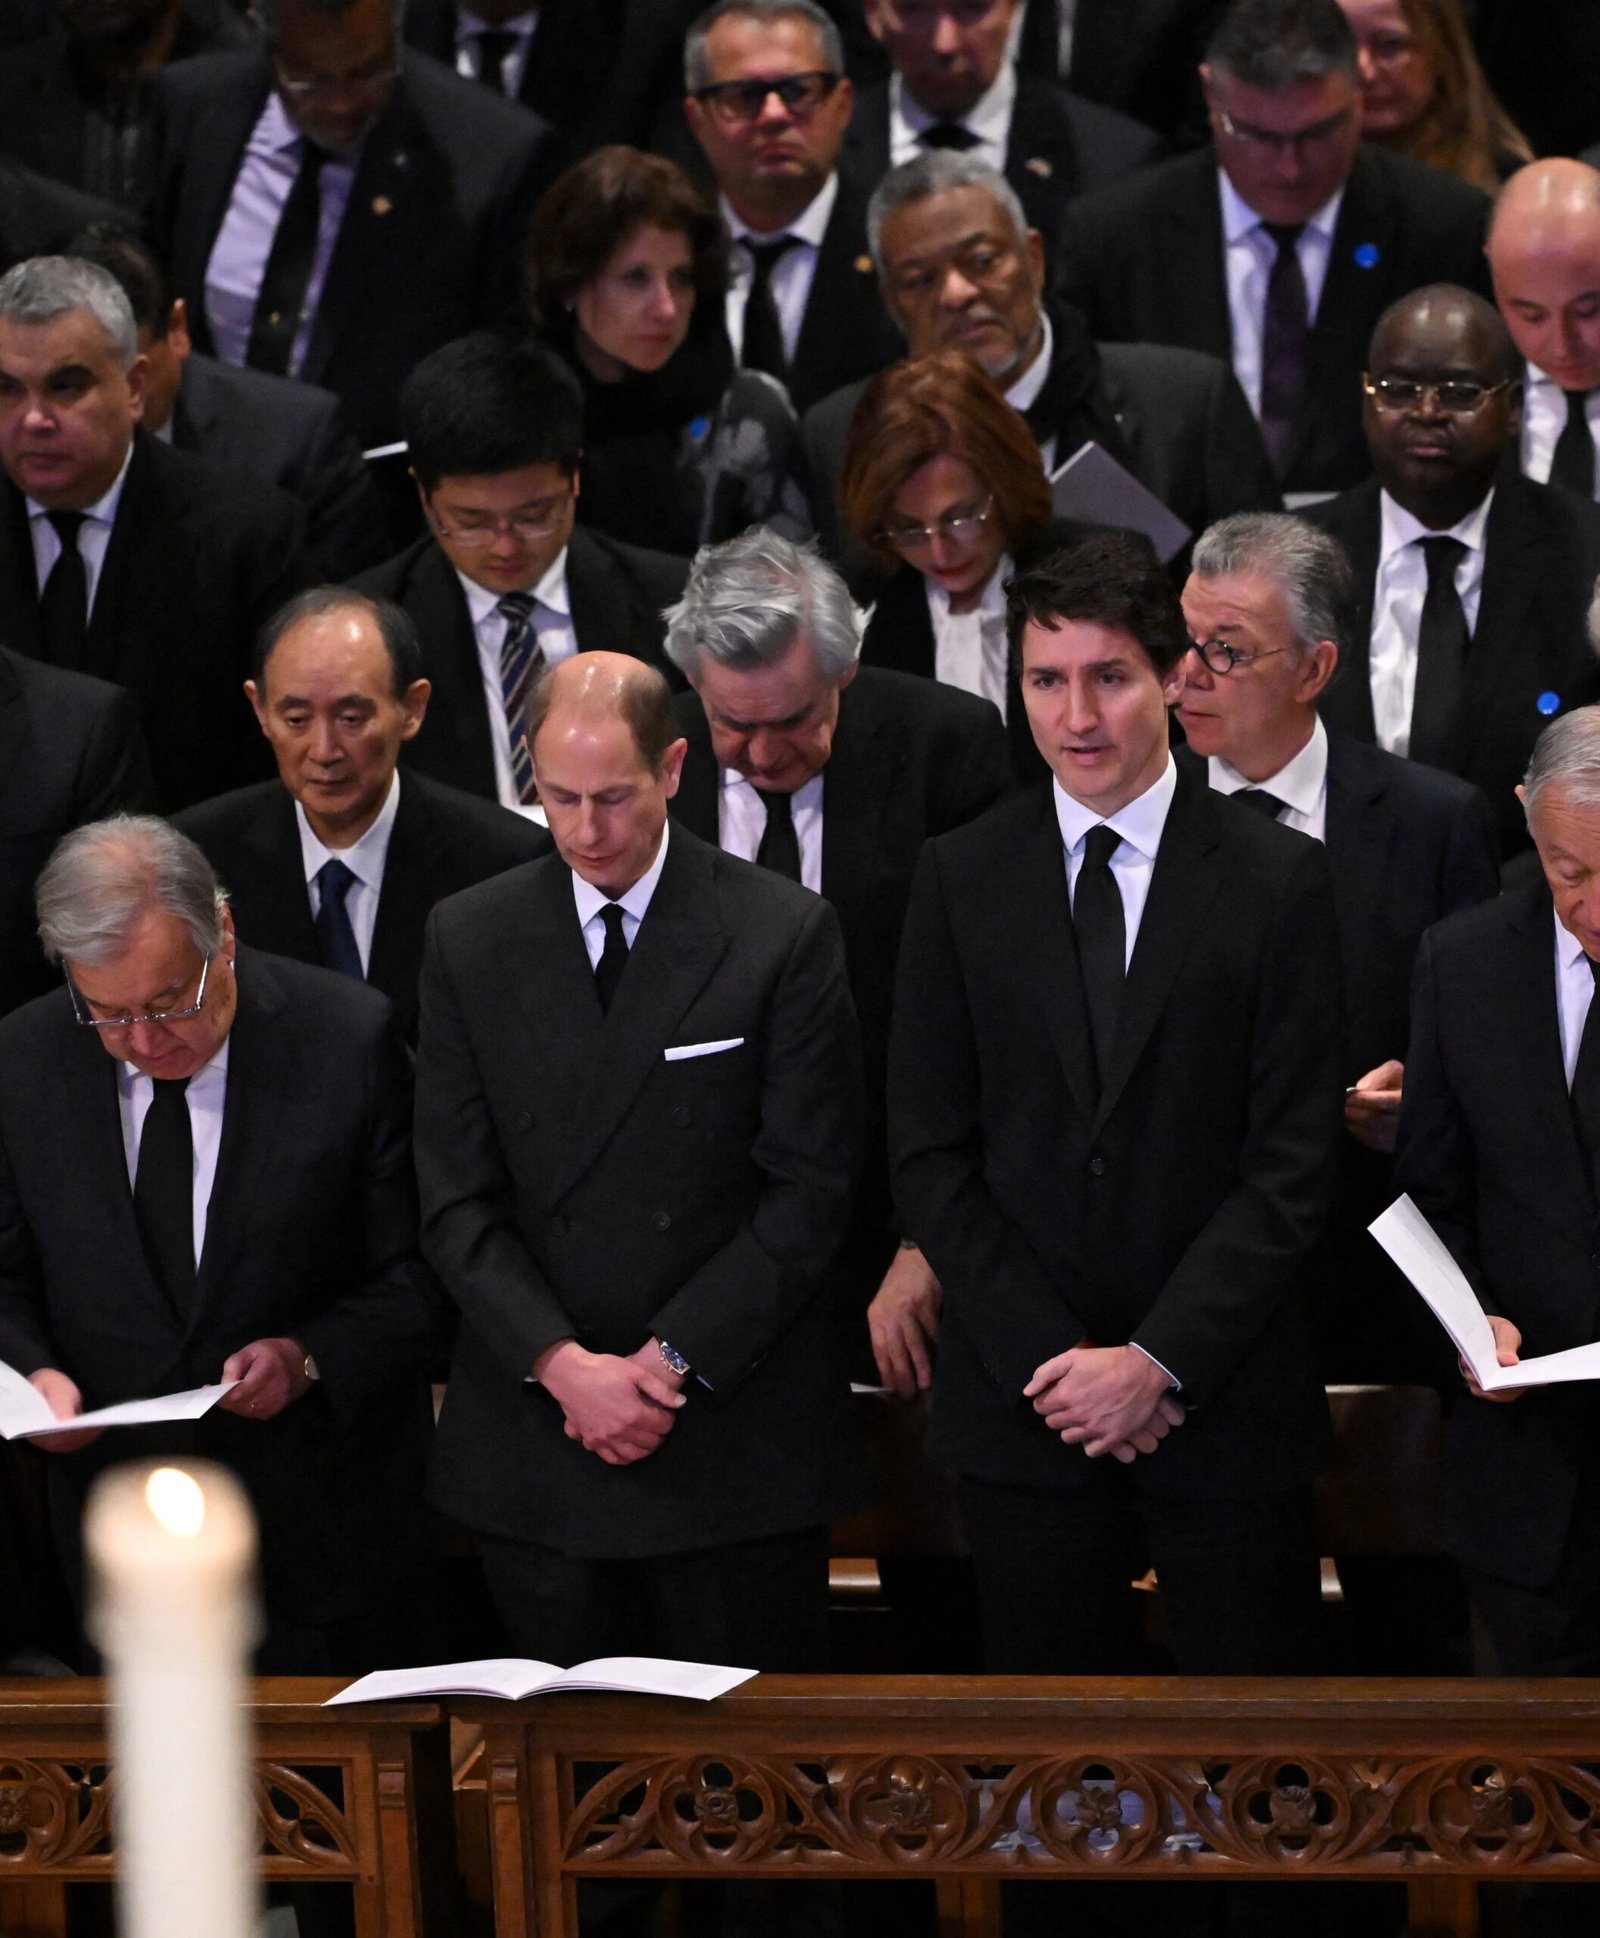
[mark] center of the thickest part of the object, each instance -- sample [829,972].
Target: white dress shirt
[590,900]
[990,120]
[1544,418]
[1398,593]
[469,51]
[206,1095]
[792,274]
[1250,253]
[970,649]
[1140,825]
[1301,784]
[94,534]
[552,621]
[742,820]
[1574,993]
[364,858]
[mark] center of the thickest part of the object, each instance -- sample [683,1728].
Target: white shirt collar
[364,858]
[469,25]
[989,118]
[1239,219]
[1569,950]
[590,900]
[551,591]
[808,226]
[1298,783]
[104,509]
[1399,529]
[1139,823]
[1023,393]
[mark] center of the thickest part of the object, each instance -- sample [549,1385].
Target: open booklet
[25,1413]
[514,1678]
[1422,1255]
[1094,489]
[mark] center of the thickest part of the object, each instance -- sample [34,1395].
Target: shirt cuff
[1175,1384]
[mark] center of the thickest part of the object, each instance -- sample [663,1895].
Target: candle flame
[176,1500]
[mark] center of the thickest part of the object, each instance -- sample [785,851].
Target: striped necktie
[521,663]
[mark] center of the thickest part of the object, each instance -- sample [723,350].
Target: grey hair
[750,598]
[1275,45]
[269,14]
[1594,621]
[1310,568]
[697,63]
[936,173]
[1567,754]
[103,878]
[45,287]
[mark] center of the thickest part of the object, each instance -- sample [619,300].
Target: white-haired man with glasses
[205,1174]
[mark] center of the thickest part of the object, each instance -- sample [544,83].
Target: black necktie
[64,602]
[163,1190]
[1101,929]
[1573,463]
[1268,806]
[336,939]
[1442,640]
[613,957]
[763,333]
[1586,1080]
[494,49]
[949,134]
[289,263]
[780,845]
[1284,324]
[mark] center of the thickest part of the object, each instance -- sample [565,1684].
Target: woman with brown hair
[1423,93]
[627,270]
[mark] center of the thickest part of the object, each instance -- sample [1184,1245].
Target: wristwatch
[672,1359]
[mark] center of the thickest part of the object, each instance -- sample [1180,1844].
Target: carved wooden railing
[380,1825]
[973,1781]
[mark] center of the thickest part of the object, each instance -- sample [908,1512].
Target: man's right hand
[616,1408]
[66,1403]
[1507,1345]
[903,1319]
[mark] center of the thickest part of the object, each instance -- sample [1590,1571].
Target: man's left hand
[1372,1108]
[1106,1399]
[271,1375]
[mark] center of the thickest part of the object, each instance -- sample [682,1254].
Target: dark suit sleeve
[115,775]
[344,522]
[737,1306]
[1242,1264]
[24,1336]
[1239,474]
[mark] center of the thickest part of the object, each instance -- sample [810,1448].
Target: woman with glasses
[943,482]
[1423,93]
[628,265]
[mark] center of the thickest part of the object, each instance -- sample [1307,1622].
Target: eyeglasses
[1266,142]
[1221,658]
[1460,396]
[964,522]
[363,81]
[801,94]
[132,1022]
[539,522]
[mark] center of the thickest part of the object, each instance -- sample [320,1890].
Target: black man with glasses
[505,582]
[1473,581]
[1280,245]
[334,209]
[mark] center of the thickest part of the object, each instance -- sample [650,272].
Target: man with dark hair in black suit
[333,213]
[1473,581]
[1278,246]
[1114,1086]
[341,859]
[38,216]
[505,583]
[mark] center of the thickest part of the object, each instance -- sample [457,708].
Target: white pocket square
[684,1050]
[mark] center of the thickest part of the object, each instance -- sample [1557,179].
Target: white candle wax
[171,1554]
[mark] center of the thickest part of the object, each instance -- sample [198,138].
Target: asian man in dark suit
[1473,581]
[637,1133]
[341,860]
[118,556]
[504,581]
[1278,247]
[236,1130]
[433,178]
[1117,1161]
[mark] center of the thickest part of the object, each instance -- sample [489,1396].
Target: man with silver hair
[834,774]
[1500,1148]
[205,1174]
[119,556]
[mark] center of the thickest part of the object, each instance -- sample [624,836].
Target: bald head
[1544,254]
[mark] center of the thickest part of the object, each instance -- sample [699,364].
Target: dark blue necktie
[336,939]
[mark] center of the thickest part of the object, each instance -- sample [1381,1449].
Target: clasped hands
[1106,1399]
[619,1408]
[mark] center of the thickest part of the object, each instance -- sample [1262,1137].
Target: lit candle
[172,1608]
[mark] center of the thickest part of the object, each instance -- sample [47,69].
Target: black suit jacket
[577,1183]
[311,1235]
[431,242]
[616,591]
[70,752]
[1529,648]
[39,217]
[292,435]
[1173,1208]
[1144,261]
[442,841]
[1489,1152]
[198,560]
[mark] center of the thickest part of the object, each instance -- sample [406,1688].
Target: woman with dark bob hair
[627,270]
[943,483]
